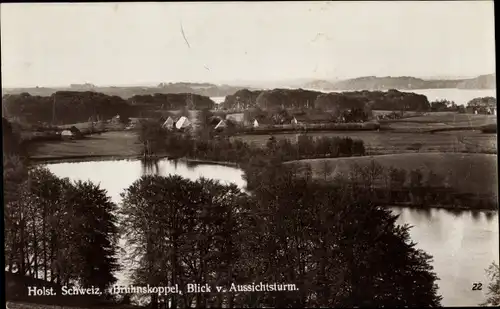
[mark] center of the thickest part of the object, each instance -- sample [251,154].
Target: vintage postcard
[250,154]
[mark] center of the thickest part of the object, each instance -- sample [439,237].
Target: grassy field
[119,143]
[412,135]
[442,119]
[466,172]
[387,142]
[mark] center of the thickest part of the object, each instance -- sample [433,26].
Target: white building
[169,123]
[182,123]
[67,133]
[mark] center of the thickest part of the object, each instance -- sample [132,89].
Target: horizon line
[238,83]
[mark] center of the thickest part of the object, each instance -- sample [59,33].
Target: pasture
[117,143]
[412,134]
[466,172]
[441,120]
[387,142]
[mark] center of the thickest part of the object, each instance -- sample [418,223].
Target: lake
[459,96]
[463,244]
[218,100]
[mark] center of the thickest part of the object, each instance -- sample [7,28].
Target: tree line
[205,144]
[389,186]
[300,98]
[69,107]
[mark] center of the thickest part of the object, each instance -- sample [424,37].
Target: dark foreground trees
[183,232]
[59,231]
[335,245]
[493,293]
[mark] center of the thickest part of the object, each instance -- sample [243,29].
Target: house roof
[74,130]
[221,124]
[183,122]
[169,122]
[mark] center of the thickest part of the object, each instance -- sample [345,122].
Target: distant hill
[320,84]
[480,82]
[380,83]
[204,89]
[404,83]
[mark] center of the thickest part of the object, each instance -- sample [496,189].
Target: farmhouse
[115,119]
[169,123]
[71,133]
[491,110]
[67,134]
[262,121]
[134,123]
[221,125]
[182,123]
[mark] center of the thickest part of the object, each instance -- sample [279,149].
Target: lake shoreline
[87,158]
[451,208]
[76,159]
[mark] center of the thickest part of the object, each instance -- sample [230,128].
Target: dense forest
[69,107]
[241,99]
[173,101]
[303,99]
[65,107]
[483,102]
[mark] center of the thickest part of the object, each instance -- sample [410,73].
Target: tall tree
[182,232]
[493,293]
[96,223]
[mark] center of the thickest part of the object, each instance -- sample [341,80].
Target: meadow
[415,134]
[441,120]
[387,142]
[113,143]
[465,172]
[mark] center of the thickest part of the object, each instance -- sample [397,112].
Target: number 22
[477,286]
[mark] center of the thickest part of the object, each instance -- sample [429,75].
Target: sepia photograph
[275,154]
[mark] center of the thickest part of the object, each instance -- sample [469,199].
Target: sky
[49,44]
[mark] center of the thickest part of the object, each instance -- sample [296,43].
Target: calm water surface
[459,96]
[463,244]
